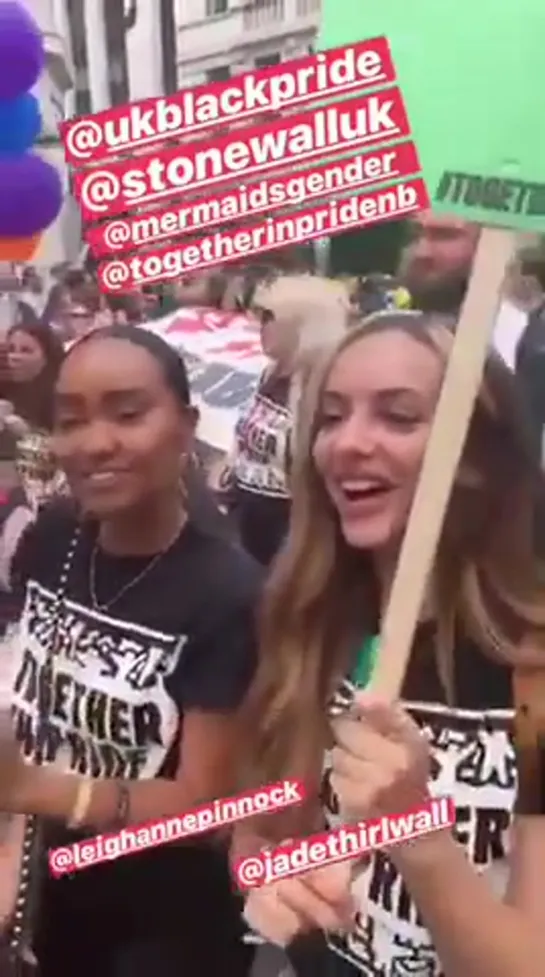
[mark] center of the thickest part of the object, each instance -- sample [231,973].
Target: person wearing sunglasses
[296,314]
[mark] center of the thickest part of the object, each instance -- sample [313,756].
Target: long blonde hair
[312,314]
[307,310]
[322,597]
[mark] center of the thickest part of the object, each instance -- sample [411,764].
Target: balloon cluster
[30,189]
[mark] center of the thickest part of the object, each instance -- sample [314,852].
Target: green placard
[472,77]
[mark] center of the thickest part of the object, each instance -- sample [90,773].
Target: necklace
[102,606]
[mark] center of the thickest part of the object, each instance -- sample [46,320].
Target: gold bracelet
[82,803]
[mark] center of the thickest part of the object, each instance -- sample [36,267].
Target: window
[221,73]
[268,60]
[169,46]
[114,18]
[216,7]
[82,94]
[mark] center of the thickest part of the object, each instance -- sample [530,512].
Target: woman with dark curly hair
[34,355]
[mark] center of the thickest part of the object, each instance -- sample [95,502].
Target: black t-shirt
[202,505]
[9,603]
[259,491]
[181,639]
[474,763]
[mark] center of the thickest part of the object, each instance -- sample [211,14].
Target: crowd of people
[174,641]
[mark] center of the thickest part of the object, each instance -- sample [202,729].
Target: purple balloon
[22,54]
[31,195]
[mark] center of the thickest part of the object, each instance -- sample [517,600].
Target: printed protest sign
[476,113]
[223,355]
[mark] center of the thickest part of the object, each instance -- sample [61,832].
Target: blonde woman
[468,905]
[298,314]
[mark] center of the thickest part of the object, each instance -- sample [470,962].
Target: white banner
[222,351]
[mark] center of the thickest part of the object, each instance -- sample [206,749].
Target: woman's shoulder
[44,541]
[274,387]
[216,589]
[57,517]
[219,570]
[481,682]
[224,560]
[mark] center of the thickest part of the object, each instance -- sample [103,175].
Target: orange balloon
[19,248]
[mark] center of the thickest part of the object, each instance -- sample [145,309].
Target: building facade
[102,53]
[124,50]
[221,38]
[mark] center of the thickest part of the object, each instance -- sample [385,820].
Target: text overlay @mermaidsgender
[241,201]
[219,248]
